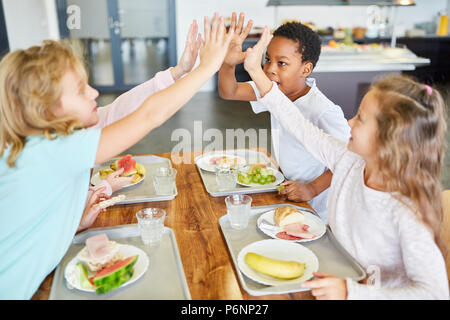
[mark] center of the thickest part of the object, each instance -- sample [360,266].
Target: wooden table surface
[193,215]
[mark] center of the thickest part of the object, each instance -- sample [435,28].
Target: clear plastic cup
[226,178]
[151,225]
[238,210]
[164,180]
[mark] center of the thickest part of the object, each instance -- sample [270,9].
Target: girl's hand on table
[92,208]
[116,181]
[187,61]
[327,287]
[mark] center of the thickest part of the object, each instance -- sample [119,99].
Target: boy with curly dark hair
[290,58]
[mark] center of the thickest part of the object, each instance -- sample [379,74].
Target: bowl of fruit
[258,174]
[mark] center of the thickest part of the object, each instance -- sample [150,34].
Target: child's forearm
[177,72]
[227,83]
[262,82]
[321,183]
[155,110]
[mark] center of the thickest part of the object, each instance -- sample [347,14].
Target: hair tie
[429,89]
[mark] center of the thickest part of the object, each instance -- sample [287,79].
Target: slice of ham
[298,230]
[215,159]
[283,235]
[98,246]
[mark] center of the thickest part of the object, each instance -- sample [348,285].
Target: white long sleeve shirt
[295,161]
[376,229]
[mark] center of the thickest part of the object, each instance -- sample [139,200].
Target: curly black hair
[309,42]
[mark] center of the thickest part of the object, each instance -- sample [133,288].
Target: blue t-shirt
[41,204]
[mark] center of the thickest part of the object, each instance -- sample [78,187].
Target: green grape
[254,179]
[262,180]
[272,178]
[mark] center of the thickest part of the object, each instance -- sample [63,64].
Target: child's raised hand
[187,61]
[253,55]
[235,55]
[327,287]
[216,43]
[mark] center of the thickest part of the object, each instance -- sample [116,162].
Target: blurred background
[125,42]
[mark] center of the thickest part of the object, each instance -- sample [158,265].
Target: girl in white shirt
[384,203]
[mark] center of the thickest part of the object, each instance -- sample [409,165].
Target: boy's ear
[307,68]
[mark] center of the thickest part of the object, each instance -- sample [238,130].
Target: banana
[275,268]
[140,169]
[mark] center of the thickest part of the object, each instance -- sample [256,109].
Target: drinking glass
[238,210]
[151,225]
[226,178]
[164,180]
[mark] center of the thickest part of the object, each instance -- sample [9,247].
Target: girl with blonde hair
[46,154]
[385,195]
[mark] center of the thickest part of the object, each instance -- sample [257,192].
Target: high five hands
[216,43]
[215,38]
[187,61]
[253,55]
[235,55]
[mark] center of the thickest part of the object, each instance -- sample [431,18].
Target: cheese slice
[98,246]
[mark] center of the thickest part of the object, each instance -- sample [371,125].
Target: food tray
[143,191]
[164,279]
[332,256]
[251,156]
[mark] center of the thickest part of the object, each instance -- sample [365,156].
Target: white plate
[278,176]
[140,267]
[281,250]
[95,179]
[205,164]
[316,226]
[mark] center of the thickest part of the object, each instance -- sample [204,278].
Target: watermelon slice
[128,165]
[113,277]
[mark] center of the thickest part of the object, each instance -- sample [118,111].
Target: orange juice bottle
[443,25]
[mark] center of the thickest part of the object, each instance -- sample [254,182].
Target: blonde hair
[411,143]
[30,86]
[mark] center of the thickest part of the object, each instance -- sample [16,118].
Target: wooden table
[193,215]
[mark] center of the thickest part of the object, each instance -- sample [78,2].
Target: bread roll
[287,215]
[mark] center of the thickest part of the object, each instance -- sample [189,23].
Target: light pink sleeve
[132,99]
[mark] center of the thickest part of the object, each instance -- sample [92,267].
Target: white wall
[28,22]
[322,16]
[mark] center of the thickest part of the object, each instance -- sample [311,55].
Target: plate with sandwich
[210,161]
[288,223]
[276,262]
[104,265]
[131,168]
